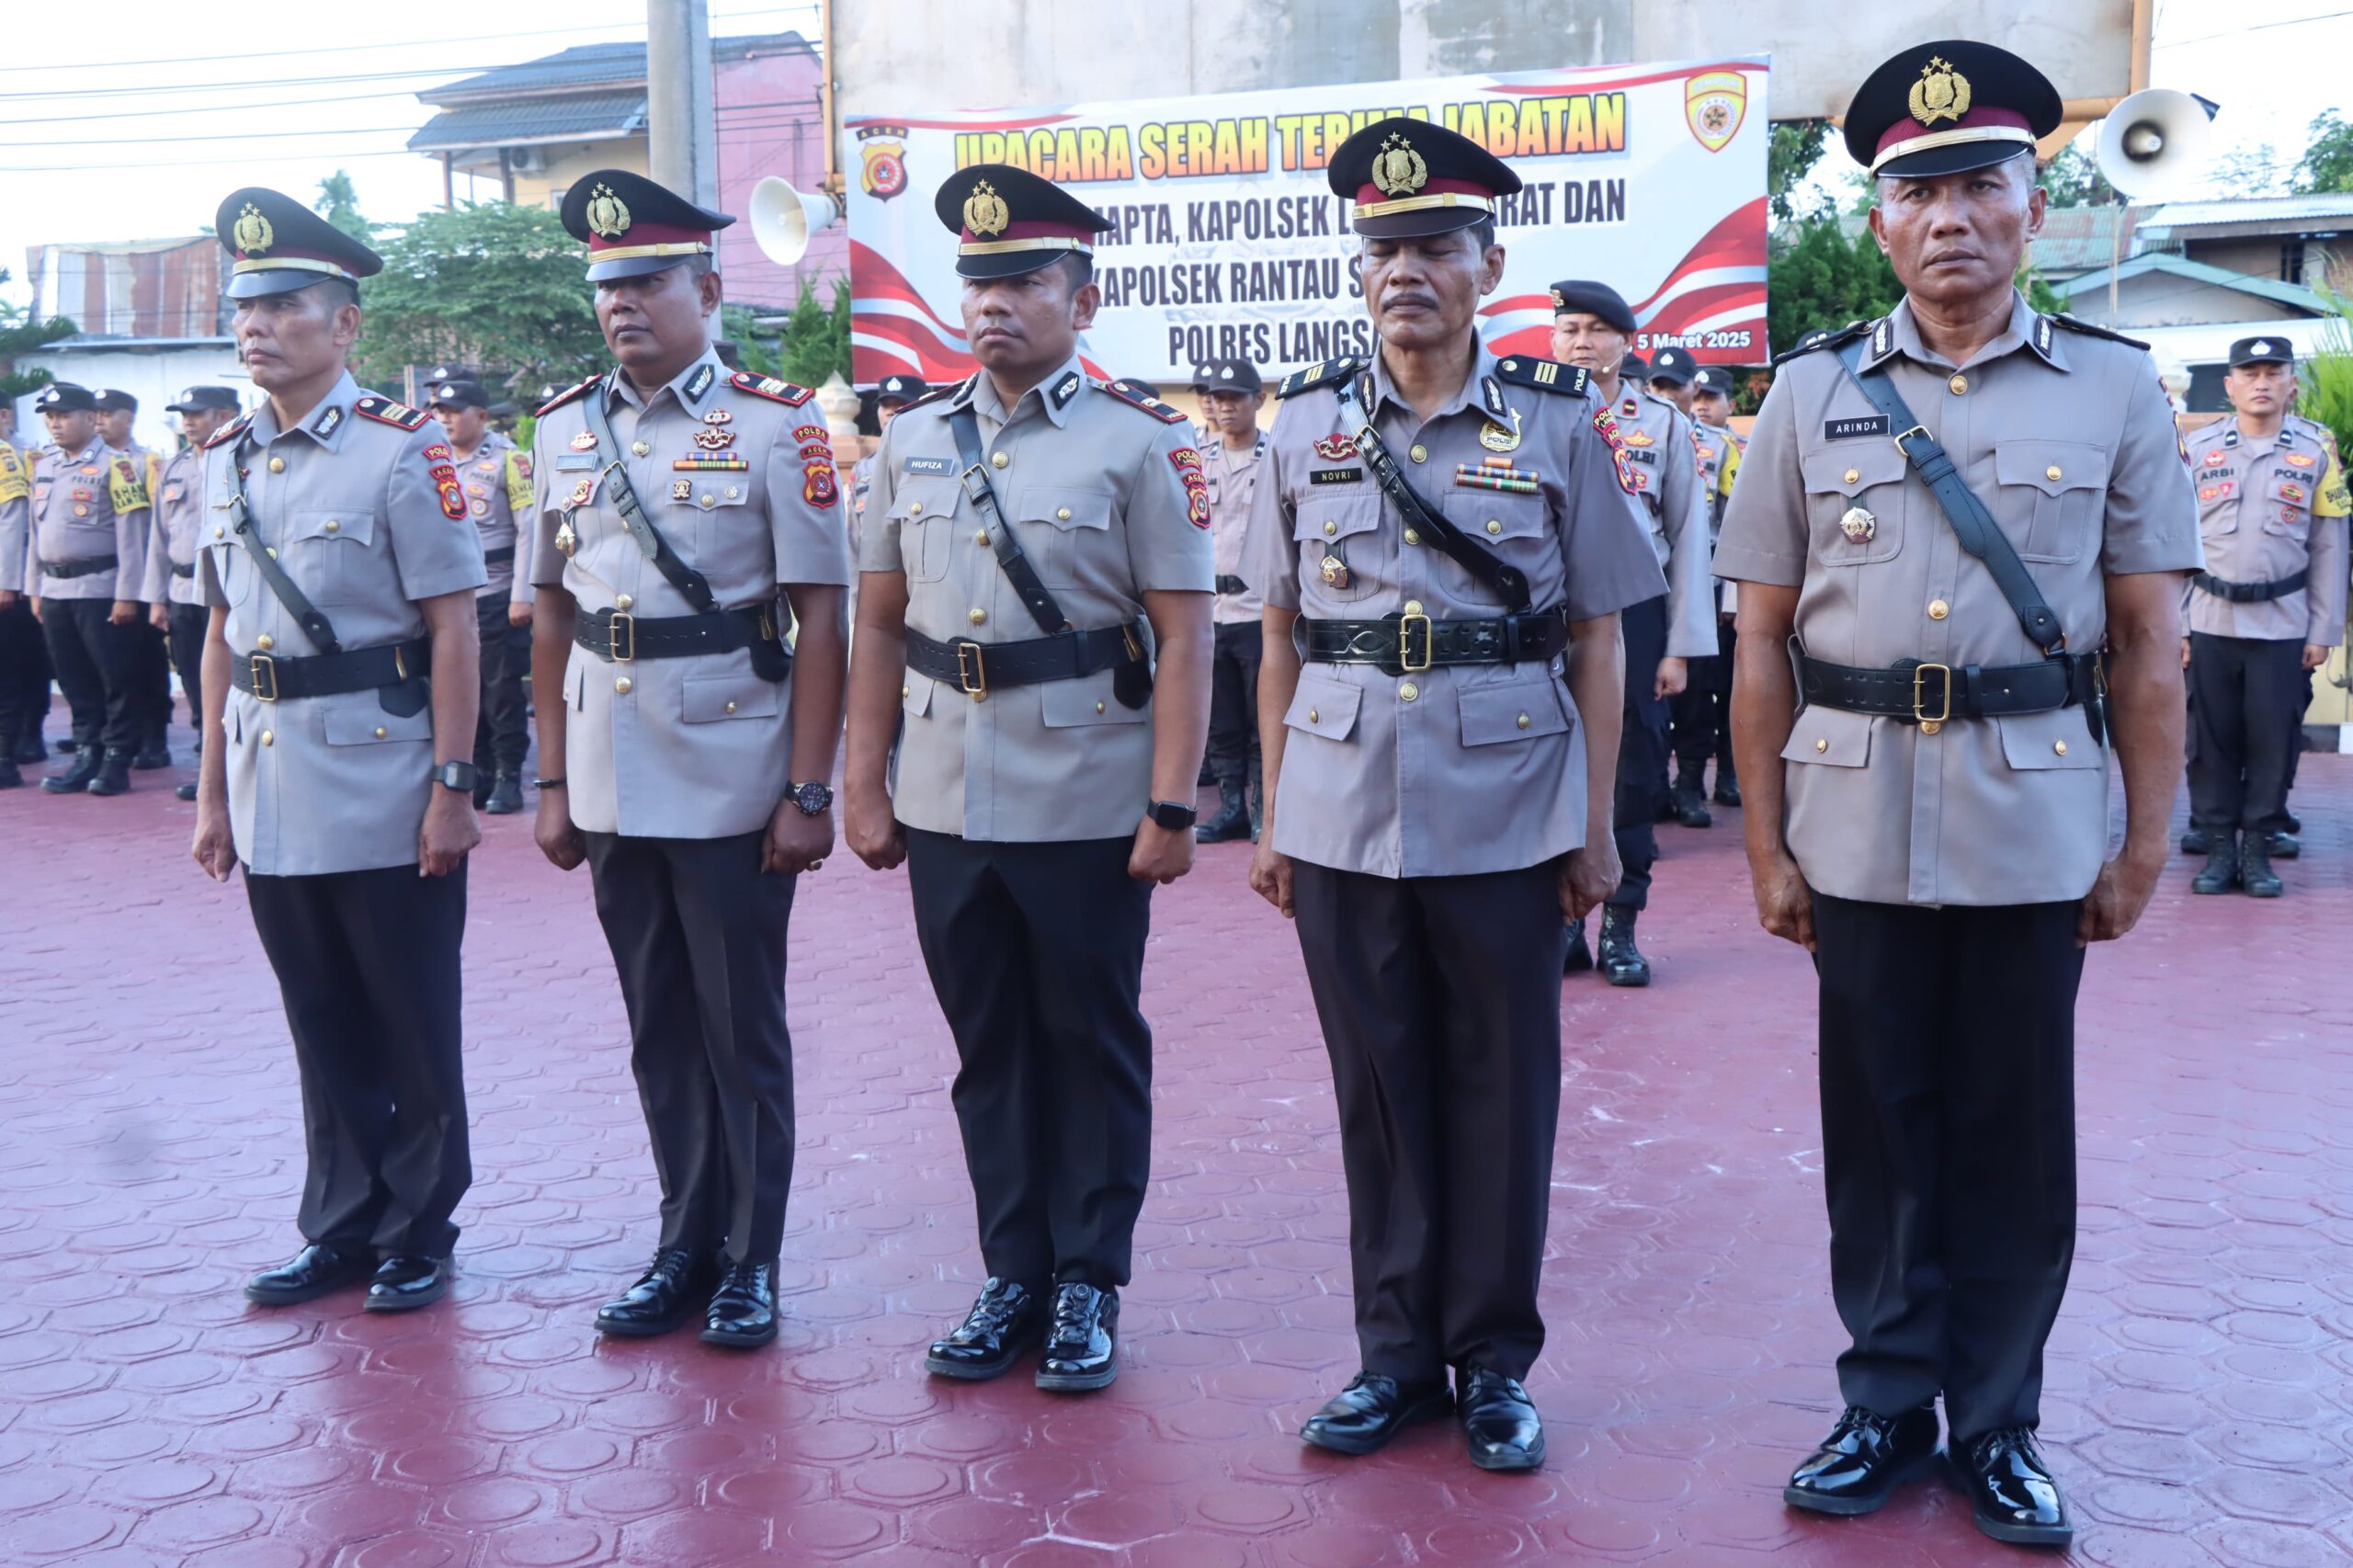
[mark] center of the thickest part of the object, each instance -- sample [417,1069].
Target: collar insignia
[699,382]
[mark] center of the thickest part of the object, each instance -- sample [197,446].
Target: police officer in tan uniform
[497,481]
[85,555]
[338,683]
[2264,613]
[175,597]
[681,510]
[1592,326]
[117,412]
[1034,630]
[1232,392]
[1445,540]
[1974,523]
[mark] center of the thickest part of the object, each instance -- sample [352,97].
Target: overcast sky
[194,104]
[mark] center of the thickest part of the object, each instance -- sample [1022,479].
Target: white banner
[1227,241]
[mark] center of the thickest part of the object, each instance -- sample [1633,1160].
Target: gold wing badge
[1941,93]
[1398,169]
[984,211]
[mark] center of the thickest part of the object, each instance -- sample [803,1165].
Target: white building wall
[154,375]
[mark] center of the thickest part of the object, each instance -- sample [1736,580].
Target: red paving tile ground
[149,1157]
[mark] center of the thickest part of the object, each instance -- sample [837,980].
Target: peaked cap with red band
[634,227]
[277,244]
[1409,178]
[1008,221]
[1940,108]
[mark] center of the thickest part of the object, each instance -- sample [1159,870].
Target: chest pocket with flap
[2056,489]
[1841,477]
[1058,526]
[923,507]
[1346,526]
[326,551]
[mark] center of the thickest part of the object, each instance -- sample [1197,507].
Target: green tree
[1816,276]
[2074,180]
[2326,167]
[814,344]
[496,285]
[338,202]
[20,333]
[2249,171]
[1795,147]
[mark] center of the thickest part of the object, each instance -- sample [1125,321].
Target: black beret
[1584,296]
[282,245]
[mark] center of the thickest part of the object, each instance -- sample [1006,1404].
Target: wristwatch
[461,776]
[1171,815]
[813,799]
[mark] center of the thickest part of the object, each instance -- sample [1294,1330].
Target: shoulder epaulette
[1839,339]
[1544,375]
[936,394]
[229,432]
[566,395]
[769,387]
[1135,396]
[2074,324]
[384,411]
[1323,373]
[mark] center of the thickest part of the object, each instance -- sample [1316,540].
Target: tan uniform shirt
[180,514]
[1094,491]
[1458,769]
[85,505]
[2069,442]
[695,748]
[16,517]
[2268,508]
[360,514]
[1675,502]
[1231,477]
[497,481]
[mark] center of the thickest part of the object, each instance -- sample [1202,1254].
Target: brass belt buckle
[971,671]
[1406,624]
[1930,723]
[264,672]
[620,637]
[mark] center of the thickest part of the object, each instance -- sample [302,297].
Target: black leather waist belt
[977,668]
[82,568]
[1227,582]
[180,571]
[504,553]
[2252,592]
[325,674]
[1402,644]
[1924,693]
[620,638]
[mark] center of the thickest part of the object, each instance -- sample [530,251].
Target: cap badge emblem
[1398,169]
[1858,524]
[984,211]
[1941,93]
[253,232]
[2259,346]
[607,213]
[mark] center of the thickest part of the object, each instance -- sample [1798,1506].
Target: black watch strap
[1172,815]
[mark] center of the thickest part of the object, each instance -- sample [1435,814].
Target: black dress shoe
[1864,1459]
[2194,841]
[313,1272]
[1082,1346]
[506,796]
[75,780]
[1003,1325]
[1580,956]
[2255,874]
[2011,1491]
[676,1283]
[185,791]
[407,1281]
[152,757]
[2221,872]
[1621,962]
[1499,1421]
[1372,1409]
[743,1310]
[2283,846]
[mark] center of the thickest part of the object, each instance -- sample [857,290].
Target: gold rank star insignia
[1941,93]
[1398,169]
[253,232]
[607,213]
[984,211]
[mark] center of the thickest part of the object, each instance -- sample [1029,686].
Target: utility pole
[680,126]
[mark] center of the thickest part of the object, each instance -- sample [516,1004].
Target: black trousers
[1440,1003]
[2245,703]
[1947,1070]
[1641,751]
[98,668]
[24,673]
[1700,714]
[368,964]
[1233,700]
[186,638]
[500,738]
[2300,701]
[152,677]
[698,933]
[1036,951]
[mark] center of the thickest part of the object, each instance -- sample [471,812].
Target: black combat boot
[2255,874]
[1232,819]
[506,796]
[2221,873]
[1621,962]
[153,754]
[1690,799]
[114,771]
[75,780]
[2194,841]
[1727,783]
[1580,957]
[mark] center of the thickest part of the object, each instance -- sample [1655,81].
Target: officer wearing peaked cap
[1945,516]
[497,481]
[1445,538]
[175,597]
[1034,631]
[339,686]
[680,511]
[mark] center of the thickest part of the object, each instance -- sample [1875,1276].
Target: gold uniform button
[267,739]
[915,508]
[1330,528]
[730,708]
[1409,691]
[703,499]
[334,526]
[1098,708]
[1063,514]
[219,533]
[906,691]
[977,616]
[2058,747]
[623,602]
[623,685]
[1412,607]
[1418,452]
[278,465]
[1523,720]
[1959,383]
[639,447]
[981,537]
[1412,537]
[2051,472]
[1493,526]
[379,732]
[1853,475]
[1314,717]
[265,643]
[1930,726]
[1939,609]
[998,459]
[1822,743]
